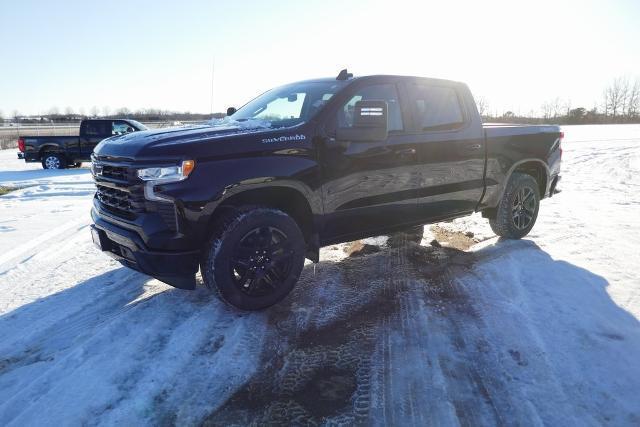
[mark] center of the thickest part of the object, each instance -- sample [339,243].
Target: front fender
[211,183]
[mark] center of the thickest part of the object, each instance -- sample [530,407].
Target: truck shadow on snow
[399,334]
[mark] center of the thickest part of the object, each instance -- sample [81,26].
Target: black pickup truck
[309,164]
[59,152]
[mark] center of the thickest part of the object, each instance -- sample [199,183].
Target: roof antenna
[344,75]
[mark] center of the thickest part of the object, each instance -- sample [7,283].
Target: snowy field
[387,331]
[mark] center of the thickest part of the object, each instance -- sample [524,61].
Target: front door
[369,185]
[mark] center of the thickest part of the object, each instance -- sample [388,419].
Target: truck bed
[496,130]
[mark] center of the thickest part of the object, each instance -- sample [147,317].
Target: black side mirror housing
[231,110]
[370,122]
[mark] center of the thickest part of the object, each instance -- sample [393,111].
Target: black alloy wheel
[254,257]
[524,208]
[261,261]
[517,210]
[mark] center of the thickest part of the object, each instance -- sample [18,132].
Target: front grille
[121,193]
[120,202]
[119,173]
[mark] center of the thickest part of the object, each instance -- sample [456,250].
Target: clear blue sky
[138,54]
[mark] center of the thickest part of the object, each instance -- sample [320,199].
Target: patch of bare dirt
[358,248]
[5,190]
[453,239]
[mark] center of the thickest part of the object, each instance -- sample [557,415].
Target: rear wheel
[518,209]
[53,161]
[254,258]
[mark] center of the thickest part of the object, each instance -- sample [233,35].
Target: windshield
[289,105]
[138,125]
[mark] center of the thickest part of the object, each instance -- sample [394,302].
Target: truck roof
[381,76]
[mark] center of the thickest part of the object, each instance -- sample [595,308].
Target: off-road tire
[504,224]
[53,161]
[217,261]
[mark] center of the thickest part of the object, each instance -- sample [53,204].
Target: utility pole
[213,67]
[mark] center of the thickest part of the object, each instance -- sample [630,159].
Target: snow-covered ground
[539,331]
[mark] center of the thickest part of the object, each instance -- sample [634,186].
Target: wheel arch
[535,168]
[46,148]
[286,198]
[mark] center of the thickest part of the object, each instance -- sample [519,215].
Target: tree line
[69,115]
[619,103]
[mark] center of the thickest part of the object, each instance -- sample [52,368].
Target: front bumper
[176,268]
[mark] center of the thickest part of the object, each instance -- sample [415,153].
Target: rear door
[369,185]
[450,148]
[91,133]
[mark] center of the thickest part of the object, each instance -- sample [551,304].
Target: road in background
[9,134]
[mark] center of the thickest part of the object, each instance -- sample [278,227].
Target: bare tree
[15,115]
[123,111]
[483,106]
[94,111]
[556,107]
[633,99]
[546,110]
[69,111]
[1,116]
[616,97]
[105,111]
[53,111]
[605,102]
[567,106]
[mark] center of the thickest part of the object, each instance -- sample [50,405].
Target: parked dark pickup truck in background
[307,165]
[58,152]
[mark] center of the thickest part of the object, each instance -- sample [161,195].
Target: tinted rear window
[99,128]
[437,108]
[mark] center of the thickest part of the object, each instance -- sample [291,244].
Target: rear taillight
[21,144]
[560,143]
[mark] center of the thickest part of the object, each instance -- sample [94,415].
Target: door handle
[474,146]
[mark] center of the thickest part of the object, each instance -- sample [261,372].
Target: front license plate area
[98,239]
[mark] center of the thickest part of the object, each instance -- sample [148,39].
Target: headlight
[168,173]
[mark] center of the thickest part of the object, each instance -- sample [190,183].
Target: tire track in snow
[343,354]
[35,243]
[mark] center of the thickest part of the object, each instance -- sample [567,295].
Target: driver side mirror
[370,123]
[231,110]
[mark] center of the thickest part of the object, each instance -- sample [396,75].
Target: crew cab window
[97,128]
[386,92]
[120,128]
[437,108]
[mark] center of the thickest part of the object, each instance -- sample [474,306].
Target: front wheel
[254,258]
[53,161]
[518,209]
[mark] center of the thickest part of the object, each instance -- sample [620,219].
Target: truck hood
[220,137]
